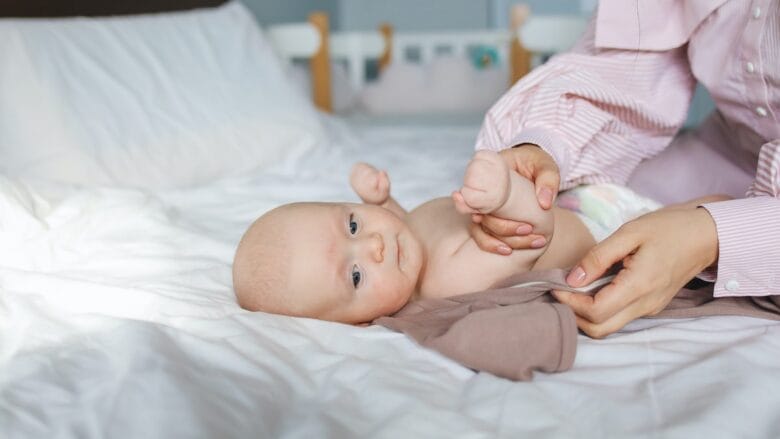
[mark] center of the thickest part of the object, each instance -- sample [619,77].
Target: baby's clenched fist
[369,183]
[486,184]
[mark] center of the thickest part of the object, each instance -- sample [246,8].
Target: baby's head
[343,262]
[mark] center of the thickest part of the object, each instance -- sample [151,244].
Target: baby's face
[351,263]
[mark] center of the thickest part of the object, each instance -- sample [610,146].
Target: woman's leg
[697,163]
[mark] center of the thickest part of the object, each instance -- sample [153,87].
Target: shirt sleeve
[749,234]
[598,112]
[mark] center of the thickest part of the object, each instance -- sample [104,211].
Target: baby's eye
[353,225]
[356,276]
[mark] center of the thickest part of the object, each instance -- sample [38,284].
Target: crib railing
[523,46]
[428,45]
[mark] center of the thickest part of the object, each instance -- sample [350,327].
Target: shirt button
[757,12]
[761,111]
[732,285]
[750,67]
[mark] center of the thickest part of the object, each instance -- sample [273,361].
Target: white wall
[499,9]
[283,11]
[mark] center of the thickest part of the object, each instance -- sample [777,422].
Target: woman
[605,110]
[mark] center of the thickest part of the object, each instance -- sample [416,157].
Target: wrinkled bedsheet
[117,319]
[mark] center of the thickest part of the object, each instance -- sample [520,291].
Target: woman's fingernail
[575,277]
[504,250]
[538,243]
[524,229]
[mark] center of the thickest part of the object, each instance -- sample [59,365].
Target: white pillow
[159,100]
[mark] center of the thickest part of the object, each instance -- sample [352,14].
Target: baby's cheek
[403,292]
[390,297]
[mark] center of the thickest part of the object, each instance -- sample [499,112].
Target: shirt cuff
[550,142]
[748,253]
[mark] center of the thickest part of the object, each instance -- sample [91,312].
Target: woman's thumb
[546,186]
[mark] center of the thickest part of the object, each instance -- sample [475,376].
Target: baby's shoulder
[437,219]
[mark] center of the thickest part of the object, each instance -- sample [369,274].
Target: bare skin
[454,263]
[352,263]
[656,265]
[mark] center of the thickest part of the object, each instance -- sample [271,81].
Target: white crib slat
[295,40]
[356,48]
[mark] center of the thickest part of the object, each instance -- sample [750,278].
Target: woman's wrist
[707,226]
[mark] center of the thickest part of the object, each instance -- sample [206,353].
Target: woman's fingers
[546,183]
[608,302]
[524,242]
[504,245]
[535,164]
[504,227]
[488,242]
[602,256]
[614,323]
[596,322]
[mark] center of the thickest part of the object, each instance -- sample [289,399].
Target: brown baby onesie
[516,327]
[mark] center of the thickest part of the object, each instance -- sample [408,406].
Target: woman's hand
[499,235]
[661,251]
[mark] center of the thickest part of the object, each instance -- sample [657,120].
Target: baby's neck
[423,269]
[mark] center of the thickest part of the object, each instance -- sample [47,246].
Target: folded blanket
[516,327]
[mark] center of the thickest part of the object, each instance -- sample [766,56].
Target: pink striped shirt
[604,106]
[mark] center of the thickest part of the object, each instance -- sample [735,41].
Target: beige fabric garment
[517,327]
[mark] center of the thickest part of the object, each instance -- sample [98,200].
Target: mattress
[117,319]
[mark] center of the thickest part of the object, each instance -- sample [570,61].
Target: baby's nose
[376,247]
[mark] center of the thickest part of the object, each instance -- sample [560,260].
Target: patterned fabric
[605,207]
[604,106]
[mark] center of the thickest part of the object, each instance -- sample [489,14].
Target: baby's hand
[485,185]
[371,184]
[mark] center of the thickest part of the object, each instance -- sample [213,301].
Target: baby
[353,263]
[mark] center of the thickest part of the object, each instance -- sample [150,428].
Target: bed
[118,227]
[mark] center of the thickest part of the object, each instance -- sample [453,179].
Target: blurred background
[411,15]
[454,84]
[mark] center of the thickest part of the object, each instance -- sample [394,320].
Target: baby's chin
[390,309]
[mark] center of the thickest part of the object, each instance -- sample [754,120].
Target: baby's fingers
[460,204]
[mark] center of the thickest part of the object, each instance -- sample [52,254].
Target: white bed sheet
[117,319]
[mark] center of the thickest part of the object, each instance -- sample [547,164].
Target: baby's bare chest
[454,263]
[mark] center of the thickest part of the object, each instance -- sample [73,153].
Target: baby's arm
[373,187]
[489,186]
